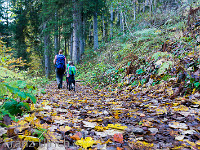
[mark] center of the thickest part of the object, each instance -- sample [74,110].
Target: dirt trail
[120,119]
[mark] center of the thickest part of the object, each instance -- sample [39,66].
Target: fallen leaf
[75,137]
[117,126]
[89,124]
[118,138]
[64,129]
[178,125]
[85,143]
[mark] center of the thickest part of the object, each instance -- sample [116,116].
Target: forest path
[120,119]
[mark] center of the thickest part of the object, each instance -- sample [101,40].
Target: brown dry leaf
[147,123]
[50,136]
[118,137]
[64,128]
[75,137]
[173,133]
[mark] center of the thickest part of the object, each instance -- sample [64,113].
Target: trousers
[59,77]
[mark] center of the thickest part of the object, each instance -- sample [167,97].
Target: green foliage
[140,71]
[164,67]
[166,77]
[157,55]
[14,107]
[43,91]
[4,112]
[197,84]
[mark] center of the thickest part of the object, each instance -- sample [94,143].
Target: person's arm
[65,65]
[54,61]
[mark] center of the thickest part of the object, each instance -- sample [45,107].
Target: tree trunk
[71,46]
[56,35]
[68,49]
[155,5]
[84,34]
[65,47]
[122,22]
[95,31]
[111,21]
[138,11]
[75,33]
[118,16]
[134,12]
[59,36]
[150,6]
[46,52]
[80,33]
[90,33]
[143,7]
[104,29]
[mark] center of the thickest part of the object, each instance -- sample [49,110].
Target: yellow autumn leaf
[193,91]
[22,123]
[181,108]
[175,104]
[100,128]
[170,91]
[29,138]
[50,136]
[142,145]
[198,142]
[45,102]
[192,144]
[7,140]
[85,143]
[160,111]
[196,102]
[117,126]
[64,129]
[30,118]
[32,107]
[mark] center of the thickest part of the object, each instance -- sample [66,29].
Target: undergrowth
[109,64]
[17,89]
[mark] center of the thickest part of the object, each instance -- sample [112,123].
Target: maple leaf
[85,143]
[75,137]
[118,138]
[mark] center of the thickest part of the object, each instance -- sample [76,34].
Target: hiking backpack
[71,70]
[60,62]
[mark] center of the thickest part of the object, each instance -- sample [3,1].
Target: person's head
[60,51]
[71,63]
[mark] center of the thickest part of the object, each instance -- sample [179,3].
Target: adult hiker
[60,67]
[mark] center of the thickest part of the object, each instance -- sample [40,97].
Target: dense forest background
[37,29]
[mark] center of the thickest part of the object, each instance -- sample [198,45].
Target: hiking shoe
[59,86]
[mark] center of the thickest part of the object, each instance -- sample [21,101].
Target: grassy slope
[108,65]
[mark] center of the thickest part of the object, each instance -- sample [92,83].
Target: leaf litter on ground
[122,120]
